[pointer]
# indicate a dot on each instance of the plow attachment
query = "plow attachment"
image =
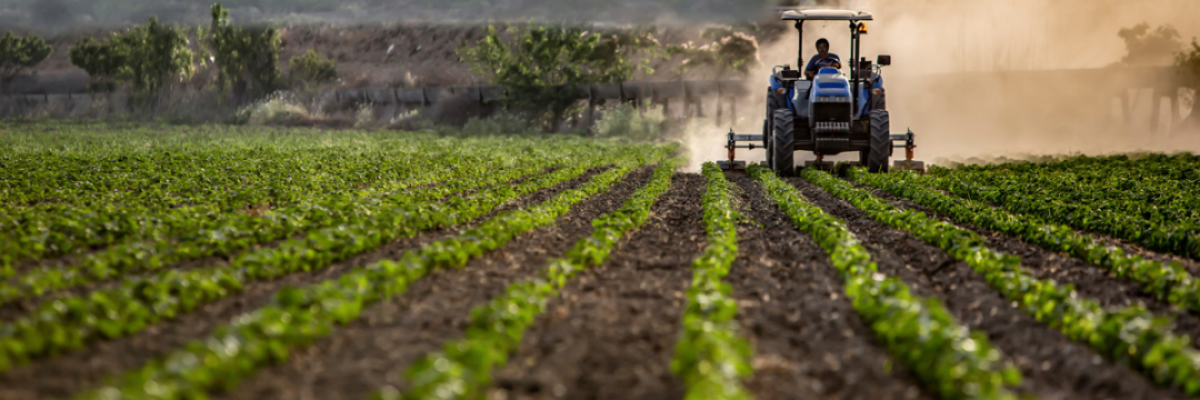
(734, 141)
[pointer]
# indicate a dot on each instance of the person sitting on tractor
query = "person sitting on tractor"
(823, 59)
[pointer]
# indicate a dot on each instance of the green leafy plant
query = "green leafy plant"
(919, 332)
(463, 368)
(710, 357)
(541, 67)
(298, 316)
(73, 321)
(312, 68)
(1127, 335)
(1125, 202)
(1168, 282)
(18, 53)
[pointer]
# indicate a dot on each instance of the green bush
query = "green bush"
(541, 67)
(625, 121)
(247, 58)
(275, 109)
(498, 124)
(312, 68)
(18, 53)
(145, 55)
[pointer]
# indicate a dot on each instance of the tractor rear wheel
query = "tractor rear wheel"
(881, 142)
(783, 142)
(774, 102)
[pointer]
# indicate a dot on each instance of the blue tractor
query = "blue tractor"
(829, 113)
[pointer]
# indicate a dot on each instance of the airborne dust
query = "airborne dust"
(971, 78)
(949, 80)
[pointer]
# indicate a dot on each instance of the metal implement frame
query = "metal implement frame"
(906, 141)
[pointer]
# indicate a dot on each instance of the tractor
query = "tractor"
(830, 113)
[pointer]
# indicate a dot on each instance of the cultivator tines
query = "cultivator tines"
(732, 139)
(908, 143)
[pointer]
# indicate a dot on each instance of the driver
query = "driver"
(823, 59)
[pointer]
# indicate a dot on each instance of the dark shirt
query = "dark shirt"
(816, 62)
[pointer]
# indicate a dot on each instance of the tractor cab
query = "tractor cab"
(837, 111)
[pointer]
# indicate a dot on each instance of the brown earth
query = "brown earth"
(793, 308)
(610, 334)
(1053, 365)
(376, 349)
(1090, 281)
(85, 369)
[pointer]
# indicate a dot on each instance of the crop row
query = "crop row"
(240, 231)
(1168, 282)
(1133, 192)
(941, 352)
(1181, 166)
(298, 316)
(463, 368)
(70, 322)
(1128, 335)
(1179, 237)
(84, 166)
(710, 357)
(42, 233)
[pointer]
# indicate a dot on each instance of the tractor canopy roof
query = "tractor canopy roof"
(826, 15)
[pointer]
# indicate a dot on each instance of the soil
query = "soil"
(610, 334)
(792, 307)
(1090, 281)
(1054, 367)
(15, 309)
(59, 376)
(376, 349)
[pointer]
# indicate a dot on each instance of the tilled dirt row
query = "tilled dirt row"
(1054, 367)
(809, 341)
(611, 332)
(84, 369)
(1090, 281)
(376, 349)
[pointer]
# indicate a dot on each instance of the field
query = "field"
(169, 262)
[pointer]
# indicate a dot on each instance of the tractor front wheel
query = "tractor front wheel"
(783, 143)
(881, 142)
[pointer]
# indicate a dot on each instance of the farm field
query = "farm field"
(170, 262)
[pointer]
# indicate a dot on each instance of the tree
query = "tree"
(1147, 47)
(731, 51)
(145, 55)
(1187, 63)
(102, 61)
(18, 53)
(312, 68)
(247, 58)
(541, 67)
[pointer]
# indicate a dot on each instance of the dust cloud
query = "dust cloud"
(990, 78)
